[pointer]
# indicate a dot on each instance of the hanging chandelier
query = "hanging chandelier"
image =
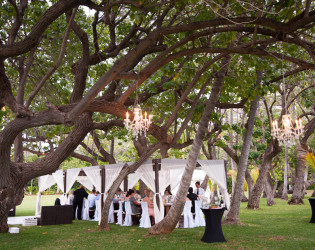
(288, 133)
(139, 125)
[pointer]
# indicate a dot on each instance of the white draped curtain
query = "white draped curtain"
(133, 179)
(72, 175)
(44, 182)
(94, 176)
(216, 171)
(58, 175)
(148, 177)
(111, 173)
(84, 180)
(176, 170)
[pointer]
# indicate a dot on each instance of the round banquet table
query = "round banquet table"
(312, 202)
(213, 230)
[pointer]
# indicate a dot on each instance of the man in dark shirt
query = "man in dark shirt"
(79, 195)
(191, 196)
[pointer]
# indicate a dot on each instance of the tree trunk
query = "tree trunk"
(4, 223)
(269, 191)
(285, 177)
(232, 216)
(10, 196)
(279, 193)
(244, 198)
(271, 151)
(297, 196)
(250, 185)
(204, 183)
(305, 186)
(168, 224)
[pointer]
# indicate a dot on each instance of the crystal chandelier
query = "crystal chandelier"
(288, 132)
(139, 125)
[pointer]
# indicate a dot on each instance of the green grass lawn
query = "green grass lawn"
(29, 203)
(278, 227)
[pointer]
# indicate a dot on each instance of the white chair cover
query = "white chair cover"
(85, 210)
(188, 217)
(63, 199)
(120, 214)
(128, 220)
(145, 218)
(199, 217)
(97, 214)
(111, 214)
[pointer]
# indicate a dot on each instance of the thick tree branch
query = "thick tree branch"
(84, 158)
(39, 28)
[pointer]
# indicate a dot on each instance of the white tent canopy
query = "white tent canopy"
(170, 174)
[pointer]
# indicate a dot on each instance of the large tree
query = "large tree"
(59, 66)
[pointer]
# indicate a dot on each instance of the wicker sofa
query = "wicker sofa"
(53, 215)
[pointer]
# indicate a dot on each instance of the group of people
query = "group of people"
(195, 194)
(135, 199)
(76, 199)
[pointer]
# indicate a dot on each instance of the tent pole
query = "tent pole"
(156, 168)
(103, 185)
(65, 181)
(225, 168)
(126, 184)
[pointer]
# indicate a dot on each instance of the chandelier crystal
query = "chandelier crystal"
(288, 133)
(139, 125)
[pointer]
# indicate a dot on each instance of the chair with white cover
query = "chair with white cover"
(97, 214)
(111, 214)
(85, 210)
(188, 217)
(120, 214)
(145, 218)
(128, 219)
(199, 217)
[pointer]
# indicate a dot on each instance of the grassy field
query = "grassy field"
(278, 227)
(29, 203)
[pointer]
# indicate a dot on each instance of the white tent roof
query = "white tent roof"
(170, 174)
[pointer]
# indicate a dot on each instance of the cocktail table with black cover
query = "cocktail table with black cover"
(213, 230)
(312, 202)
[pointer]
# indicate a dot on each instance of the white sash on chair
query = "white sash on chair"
(199, 217)
(128, 219)
(145, 218)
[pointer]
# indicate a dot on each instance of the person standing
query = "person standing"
(199, 191)
(193, 197)
(79, 195)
